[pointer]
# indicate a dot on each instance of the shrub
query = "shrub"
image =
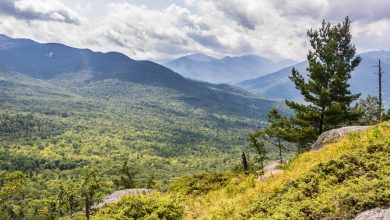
(200, 183)
(153, 206)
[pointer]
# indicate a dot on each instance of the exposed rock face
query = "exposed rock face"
(116, 196)
(270, 170)
(330, 136)
(268, 174)
(273, 165)
(374, 214)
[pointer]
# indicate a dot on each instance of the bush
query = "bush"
(200, 183)
(339, 188)
(153, 206)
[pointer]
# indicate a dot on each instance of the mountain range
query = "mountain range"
(109, 107)
(277, 85)
(225, 70)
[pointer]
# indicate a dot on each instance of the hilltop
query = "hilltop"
(339, 180)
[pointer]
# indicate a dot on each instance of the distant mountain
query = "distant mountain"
(87, 108)
(198, 57)
(277, 85)
(226, 70)
(51, 61)
(46, 61)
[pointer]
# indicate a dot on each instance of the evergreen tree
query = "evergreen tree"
(244, 162)
(259, 147)
(326, 91)
(126, 178)
(89, 188)
(151, 182)
(68, 199)
(277, 131)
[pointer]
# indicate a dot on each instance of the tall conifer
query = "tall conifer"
(326, 90)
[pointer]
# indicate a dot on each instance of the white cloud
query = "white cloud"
(272, 28)
(52, 10)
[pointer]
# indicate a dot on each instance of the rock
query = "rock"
(268, 174)
(270, 170)
(273, 165)
(374, 214)
(330, 136)
(116, 196)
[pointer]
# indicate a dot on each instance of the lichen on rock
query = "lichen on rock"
(330, 136)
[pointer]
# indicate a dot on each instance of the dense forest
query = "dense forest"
(52, 131)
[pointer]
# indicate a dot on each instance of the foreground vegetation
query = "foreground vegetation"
(337, 182)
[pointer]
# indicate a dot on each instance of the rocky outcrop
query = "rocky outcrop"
(270, 170)
(325, 138)
(374, 214)
(116, 196)
(330, 136)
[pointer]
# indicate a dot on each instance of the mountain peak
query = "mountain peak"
(4, 37)
(199, 57)
(229, 69)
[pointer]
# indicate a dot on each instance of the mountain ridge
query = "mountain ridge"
(229, 69)
(278, 86)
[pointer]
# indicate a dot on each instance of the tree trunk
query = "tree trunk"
(87, 208)
(321, 127)
(280, 151)
(244, 162)
(380, 91)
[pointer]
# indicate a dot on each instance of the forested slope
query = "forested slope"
(57, 123)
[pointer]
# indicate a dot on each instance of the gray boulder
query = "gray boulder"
(330, 136)
(374, 214)
(116, 196)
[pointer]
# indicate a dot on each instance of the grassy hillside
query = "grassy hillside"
(336, 182)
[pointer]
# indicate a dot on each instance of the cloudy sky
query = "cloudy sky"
(164, 29)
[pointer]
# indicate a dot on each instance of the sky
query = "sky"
(166, 29)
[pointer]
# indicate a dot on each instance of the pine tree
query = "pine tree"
(259, 147)
(89, 189)
(151, 182)
(244, 162)
(326, 91)
(277, 131)
(126, 178)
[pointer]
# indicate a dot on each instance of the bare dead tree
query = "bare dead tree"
(380, 103)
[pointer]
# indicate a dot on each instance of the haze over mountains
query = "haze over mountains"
(277, 85)
(52, 61)
(225, 70)
(111, 108)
